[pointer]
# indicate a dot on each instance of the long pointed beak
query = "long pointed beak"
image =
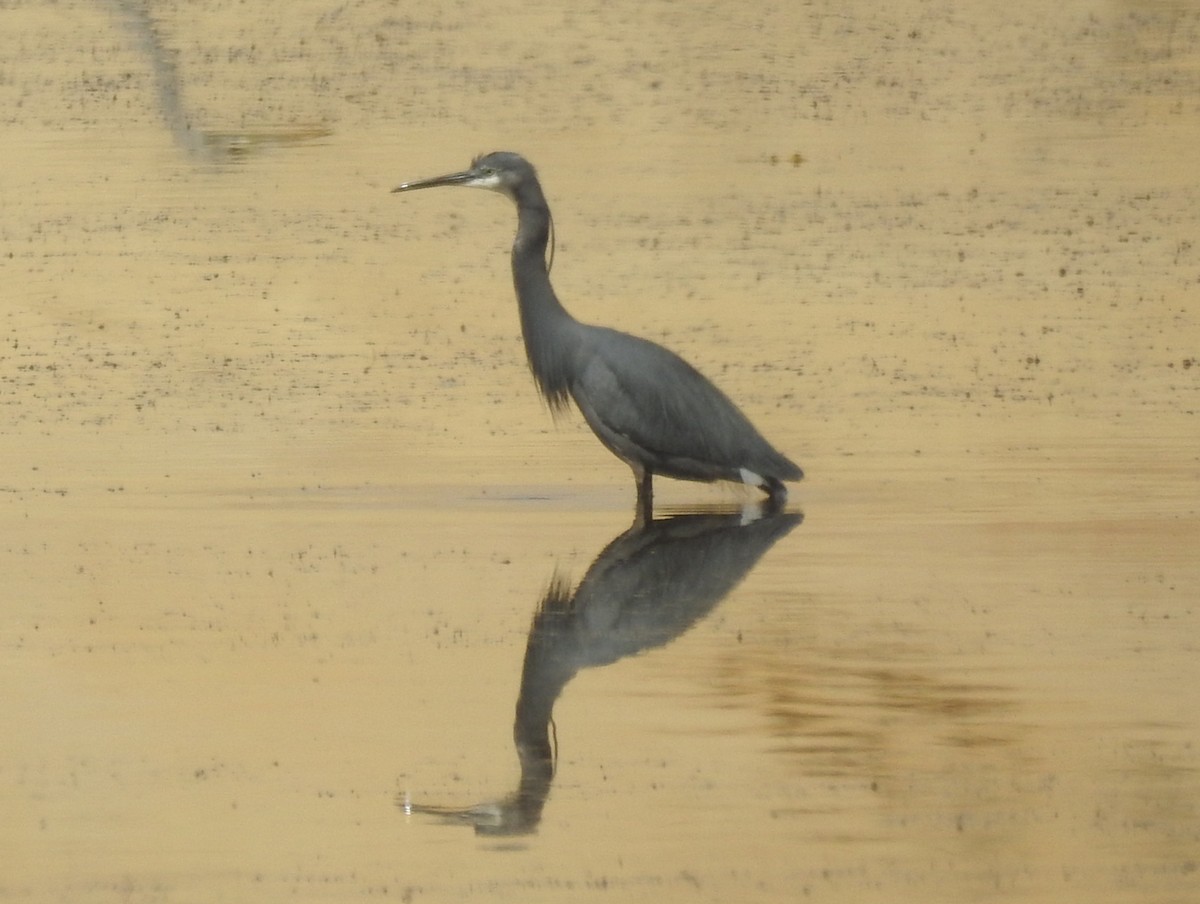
(463, 178)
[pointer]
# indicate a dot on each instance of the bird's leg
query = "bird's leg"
(645, 494)
(776, 492)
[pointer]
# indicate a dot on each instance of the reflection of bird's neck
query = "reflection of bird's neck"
(548, 329)
(544, 675)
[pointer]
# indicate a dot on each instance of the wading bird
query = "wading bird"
(652, 409)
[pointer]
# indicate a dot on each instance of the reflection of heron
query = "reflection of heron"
(201, 144)
(648, 586)
(651, 408)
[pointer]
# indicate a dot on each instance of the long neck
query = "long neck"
(549, 331)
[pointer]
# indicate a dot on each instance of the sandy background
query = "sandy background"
(279, 501)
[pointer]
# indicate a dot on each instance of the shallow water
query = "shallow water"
(291, 545)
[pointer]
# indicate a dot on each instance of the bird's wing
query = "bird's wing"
(644, 393)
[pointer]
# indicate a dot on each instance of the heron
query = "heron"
(648, 406)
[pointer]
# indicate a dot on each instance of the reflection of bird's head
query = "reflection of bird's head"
(514, 815)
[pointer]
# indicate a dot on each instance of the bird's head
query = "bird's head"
(499, 171)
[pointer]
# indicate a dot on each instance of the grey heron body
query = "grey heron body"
(651, 408)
